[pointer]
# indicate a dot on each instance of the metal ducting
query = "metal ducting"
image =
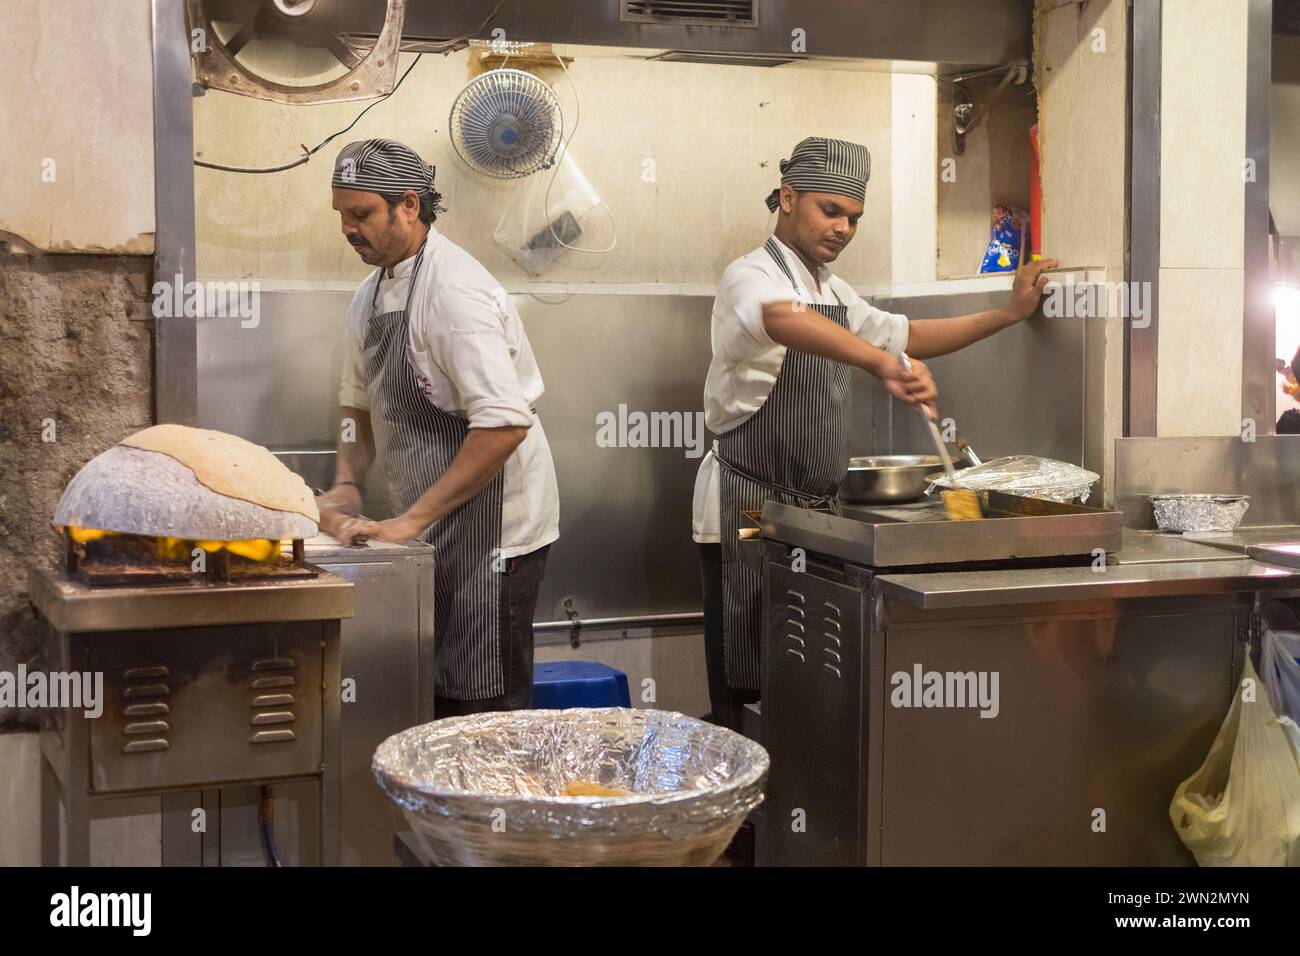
(918, 35)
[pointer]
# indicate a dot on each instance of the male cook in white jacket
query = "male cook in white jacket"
(440, 380)
(785, 333)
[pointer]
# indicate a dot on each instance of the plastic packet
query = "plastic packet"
(1006, 240)
(537, 228)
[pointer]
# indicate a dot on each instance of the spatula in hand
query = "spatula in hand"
(959, 504)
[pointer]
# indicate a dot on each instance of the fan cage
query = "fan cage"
(507, 124)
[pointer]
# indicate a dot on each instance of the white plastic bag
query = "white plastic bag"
(553, 211)
(1242, 807)
(1277, 660)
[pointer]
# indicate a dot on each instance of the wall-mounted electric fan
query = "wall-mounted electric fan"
(507, 124)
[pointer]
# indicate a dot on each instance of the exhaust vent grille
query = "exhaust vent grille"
(723, 13)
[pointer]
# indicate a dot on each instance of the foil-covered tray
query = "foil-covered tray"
(488, 789)
(1028, 475)
(1199, 513)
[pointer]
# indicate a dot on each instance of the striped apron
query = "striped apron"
(416, 442)
(792, 450)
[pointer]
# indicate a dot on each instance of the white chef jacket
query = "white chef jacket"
(746, 361)
(472, 358)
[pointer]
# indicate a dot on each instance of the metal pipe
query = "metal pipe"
(175, 354)
(1142, 201)
(636, 620)
(1258, 335)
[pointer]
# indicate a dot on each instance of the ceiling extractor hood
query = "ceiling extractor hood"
(945, 36)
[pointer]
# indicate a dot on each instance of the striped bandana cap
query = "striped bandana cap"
(821, 165)
(384, 166)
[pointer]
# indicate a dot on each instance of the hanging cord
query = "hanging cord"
(444, 48)
(309, 153)
(546, 201)
(266, 821)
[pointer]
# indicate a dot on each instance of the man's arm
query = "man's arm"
(479, 460)
(809, 331)
(927, 338)
(350, 465)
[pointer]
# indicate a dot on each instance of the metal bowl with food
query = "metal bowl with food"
(880, 479)
(1199, 512)
(579, 787)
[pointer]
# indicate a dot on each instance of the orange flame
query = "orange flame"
(256, 549)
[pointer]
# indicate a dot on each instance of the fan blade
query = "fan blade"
(342, 52)
(240, 39)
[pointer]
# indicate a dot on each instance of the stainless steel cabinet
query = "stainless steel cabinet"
(387, 656)
(1103, 706)
(812, 697)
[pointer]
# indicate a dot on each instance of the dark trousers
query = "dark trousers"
(520, 583)
(728, 703)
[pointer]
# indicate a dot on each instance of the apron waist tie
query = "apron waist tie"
(816, 502)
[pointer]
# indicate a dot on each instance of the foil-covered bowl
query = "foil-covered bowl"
(487, 789)
(1199, 513)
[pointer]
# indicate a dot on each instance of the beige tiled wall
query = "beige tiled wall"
(913, 144)
(714, 133)
(1202, 216)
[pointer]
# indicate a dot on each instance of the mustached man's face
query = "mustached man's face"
(821, 224)
(380, 236)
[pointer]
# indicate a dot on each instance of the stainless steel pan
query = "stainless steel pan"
(881, 479)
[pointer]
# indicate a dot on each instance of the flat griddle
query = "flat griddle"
(1017, 530)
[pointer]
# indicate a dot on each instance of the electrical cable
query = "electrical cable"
(317, 148)
(447, 47)
(546, 200)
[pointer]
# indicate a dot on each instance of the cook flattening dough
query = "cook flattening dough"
(231, 466)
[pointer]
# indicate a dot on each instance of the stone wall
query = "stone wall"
(76, 375)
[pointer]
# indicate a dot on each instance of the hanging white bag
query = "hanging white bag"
(1277, 660)
(1242, 807)
(553, 213)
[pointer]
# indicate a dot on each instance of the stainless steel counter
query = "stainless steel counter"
(1148, 565)
(1041, 585)
(1243, 539)
(1156, 547)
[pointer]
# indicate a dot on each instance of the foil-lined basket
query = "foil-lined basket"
(486, 789)
(1025, 475)
(1199, 513)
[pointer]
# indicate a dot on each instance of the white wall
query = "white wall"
(76, 124)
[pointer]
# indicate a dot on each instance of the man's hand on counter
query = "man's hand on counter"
(397, 530)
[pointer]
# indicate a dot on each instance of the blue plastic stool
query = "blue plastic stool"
(564, 684)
